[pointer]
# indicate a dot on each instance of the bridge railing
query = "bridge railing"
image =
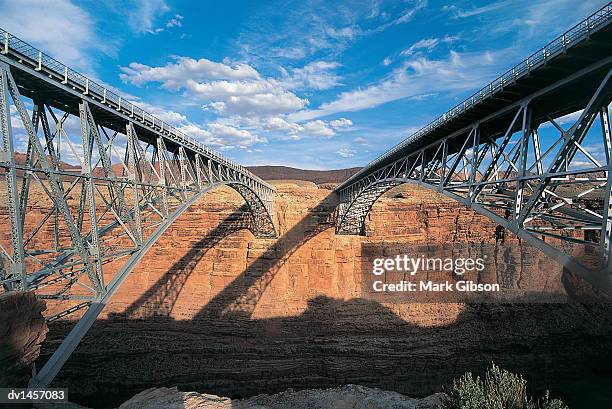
(574, 35)
(38, 60)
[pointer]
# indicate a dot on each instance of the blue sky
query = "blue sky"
(310, 84)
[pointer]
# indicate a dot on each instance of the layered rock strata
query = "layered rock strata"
(213, 309)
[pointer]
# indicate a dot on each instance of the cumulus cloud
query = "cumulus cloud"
(221, 136)
(225, 134)
(44, 24)
(318, 128)
(174, 75)
(341, 123)
(266, 103)
(232, 90)
(250, 107)
(279, 127)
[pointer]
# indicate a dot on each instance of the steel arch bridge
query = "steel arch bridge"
(509, 153)
(74, 232)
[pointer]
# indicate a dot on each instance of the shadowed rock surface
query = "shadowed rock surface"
(215, 310)
(22, 331)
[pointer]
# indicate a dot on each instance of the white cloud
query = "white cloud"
(341, 123)
(527, 18)
(415, 78)
(262, 104)
(168, 116)
(406, 15)
(232, 90)
(175, 75)
(427, 44)
(278, 127)
(222, 89)
(346, 152)
(176, 21)
(318, 28)
(45, 24)
(195, 131)
(459, 13)
(279, 124)
(387, 61)
(318, 128)
(344, 32)
(316, 75)
(221, 136)
(142, 14)
(232, 135)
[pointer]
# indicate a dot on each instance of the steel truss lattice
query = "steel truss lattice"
(88, 187)
(550, 190)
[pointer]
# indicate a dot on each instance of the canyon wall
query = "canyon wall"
(213, 309)
(22, 331)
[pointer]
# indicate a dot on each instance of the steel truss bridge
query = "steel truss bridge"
(135, 176)
(74, 232)
(531, 151)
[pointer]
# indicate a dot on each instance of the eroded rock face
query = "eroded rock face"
(213, 309)
(349, 396)
(22, 331)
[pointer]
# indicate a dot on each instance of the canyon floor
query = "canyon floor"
(213, 309)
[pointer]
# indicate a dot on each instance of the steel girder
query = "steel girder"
(548, 190)
(89, 185)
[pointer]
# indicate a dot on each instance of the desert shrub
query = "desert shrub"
(499, 389)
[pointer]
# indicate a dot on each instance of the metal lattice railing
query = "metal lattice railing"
(574, 35)
(34, 58)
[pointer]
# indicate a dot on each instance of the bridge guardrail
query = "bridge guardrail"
(39, 60)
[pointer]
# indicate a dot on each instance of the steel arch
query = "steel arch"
(489, 154)
(90, 182)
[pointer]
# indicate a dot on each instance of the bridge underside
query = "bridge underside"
(543, 176)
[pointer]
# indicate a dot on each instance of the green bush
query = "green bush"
(500, 389)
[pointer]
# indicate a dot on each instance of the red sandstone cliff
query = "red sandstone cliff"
(211, 308)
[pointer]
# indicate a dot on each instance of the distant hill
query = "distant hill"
(315, 176)
(265, 172)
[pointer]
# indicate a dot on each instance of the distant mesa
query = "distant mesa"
(318, 177)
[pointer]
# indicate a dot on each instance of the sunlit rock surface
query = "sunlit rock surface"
(349, 396)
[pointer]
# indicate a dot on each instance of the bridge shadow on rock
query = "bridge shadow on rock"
(240, 297)
(223, 350)
(564, 348)
(160, 298)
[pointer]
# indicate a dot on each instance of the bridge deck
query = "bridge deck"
(44, 78)
(587, 42)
